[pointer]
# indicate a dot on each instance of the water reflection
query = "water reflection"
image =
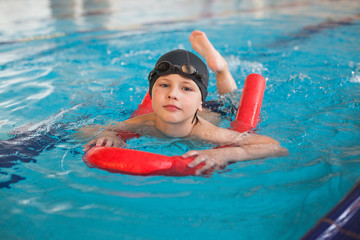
(24, 21)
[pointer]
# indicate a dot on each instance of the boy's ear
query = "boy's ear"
(200, 108)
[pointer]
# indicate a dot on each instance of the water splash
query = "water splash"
(355, 77)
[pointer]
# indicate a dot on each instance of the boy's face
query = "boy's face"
(175, 98)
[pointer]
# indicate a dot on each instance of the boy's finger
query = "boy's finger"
(196, 162)
(208, 165)
(109, 143)
(119, 143)
(100, 142)
(88, 145)
(190, 153)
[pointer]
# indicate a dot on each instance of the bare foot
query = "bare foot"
(225, 83)
(203, 46)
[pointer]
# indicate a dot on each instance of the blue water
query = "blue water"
(66, 64)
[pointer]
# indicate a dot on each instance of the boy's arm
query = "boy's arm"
(219, 157)
(208, 132)
(111, 135)
(102, 135)
(234, 147)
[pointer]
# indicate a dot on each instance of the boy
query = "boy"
(178, 88)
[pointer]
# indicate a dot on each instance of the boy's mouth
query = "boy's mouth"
(171, 107)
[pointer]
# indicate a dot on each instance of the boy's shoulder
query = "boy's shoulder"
(145, 119)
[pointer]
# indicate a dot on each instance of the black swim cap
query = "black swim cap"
(180, 57)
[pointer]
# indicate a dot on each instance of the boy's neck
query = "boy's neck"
(183, 129)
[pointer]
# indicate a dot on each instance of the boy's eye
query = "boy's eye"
(164, 85)
(187, 89)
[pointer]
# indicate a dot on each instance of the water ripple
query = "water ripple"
(10, 78)
(48, 89)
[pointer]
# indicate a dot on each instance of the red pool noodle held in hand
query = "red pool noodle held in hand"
(134, 162)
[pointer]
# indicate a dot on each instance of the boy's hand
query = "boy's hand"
(107, 141)
(211, 157)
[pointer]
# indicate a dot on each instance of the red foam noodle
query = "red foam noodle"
(144, 107)
(248, 113)
(137, 162)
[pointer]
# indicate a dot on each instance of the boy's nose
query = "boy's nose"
(173, 93)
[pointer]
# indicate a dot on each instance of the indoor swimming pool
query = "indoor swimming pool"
(68, 64)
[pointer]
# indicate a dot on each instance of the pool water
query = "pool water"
(66, 64)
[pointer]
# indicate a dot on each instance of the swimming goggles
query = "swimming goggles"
(165, 68)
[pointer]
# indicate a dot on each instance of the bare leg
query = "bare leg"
(224, 81)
